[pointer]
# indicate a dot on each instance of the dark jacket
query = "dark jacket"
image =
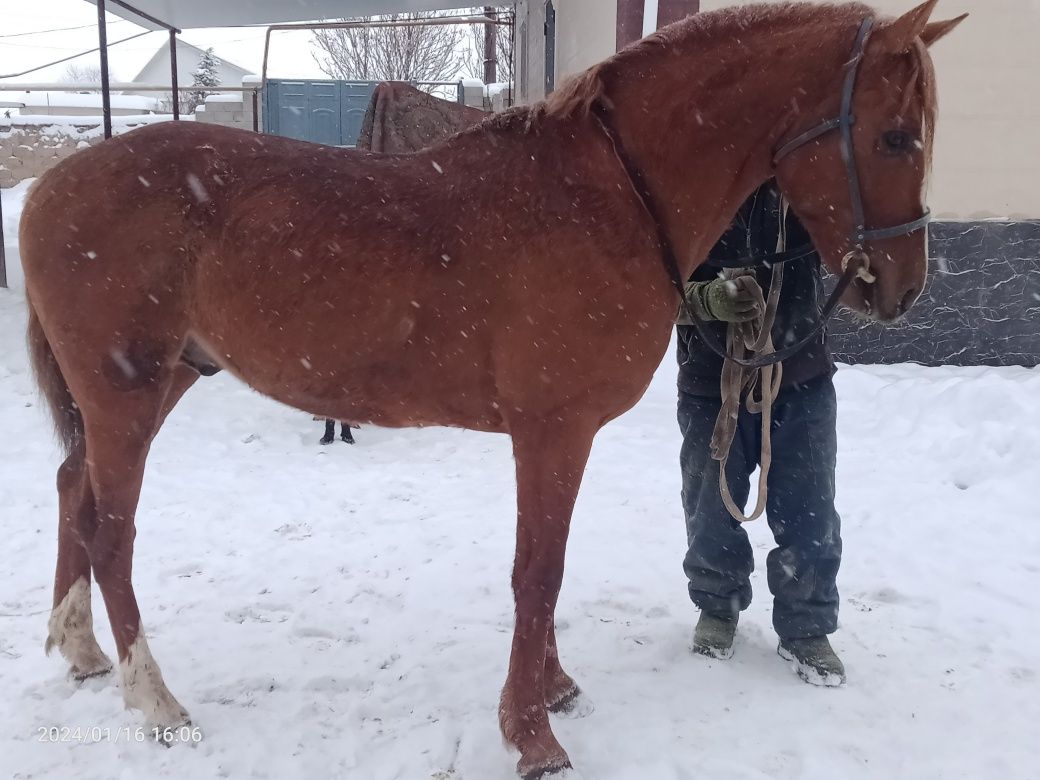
(755, 231)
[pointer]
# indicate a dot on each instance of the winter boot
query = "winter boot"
(814, 660)
(713, 636)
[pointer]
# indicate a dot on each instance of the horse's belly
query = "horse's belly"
(387, 376)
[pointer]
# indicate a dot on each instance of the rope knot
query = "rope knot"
(862, 259)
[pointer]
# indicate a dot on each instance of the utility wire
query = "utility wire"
(56, 29)
(74, 56)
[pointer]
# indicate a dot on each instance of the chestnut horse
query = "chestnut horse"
(509, 279)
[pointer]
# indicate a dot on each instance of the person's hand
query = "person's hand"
(732, 300)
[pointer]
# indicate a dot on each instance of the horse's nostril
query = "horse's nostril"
(908, 300)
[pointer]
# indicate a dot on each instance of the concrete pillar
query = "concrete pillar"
(472, 92)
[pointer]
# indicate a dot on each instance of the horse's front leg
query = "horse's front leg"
(562, 694)
(550, 459)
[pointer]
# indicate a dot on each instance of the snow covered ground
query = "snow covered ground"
(345, 612)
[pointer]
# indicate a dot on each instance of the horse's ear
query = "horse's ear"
(933, 31)
(898, 36)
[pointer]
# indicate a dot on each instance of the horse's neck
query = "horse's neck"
(703, 127)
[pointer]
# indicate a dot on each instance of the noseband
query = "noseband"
(855, 263)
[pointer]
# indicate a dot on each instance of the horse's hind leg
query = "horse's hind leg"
(550, 459)
(71, 625)
(119, 429)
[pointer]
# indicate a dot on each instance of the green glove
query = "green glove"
(726, 300)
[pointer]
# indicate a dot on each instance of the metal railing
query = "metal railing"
(354, 25)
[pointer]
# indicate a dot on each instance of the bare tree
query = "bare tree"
(84, 74)
(475, 56)
(424, 53)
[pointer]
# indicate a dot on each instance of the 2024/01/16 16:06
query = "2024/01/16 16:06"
(121, 734)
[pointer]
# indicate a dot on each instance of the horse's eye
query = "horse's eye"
(897, 142)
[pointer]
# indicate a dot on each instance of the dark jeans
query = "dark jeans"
(804, 566)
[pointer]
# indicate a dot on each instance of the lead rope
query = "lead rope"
(753, 338)
(856, 263)
(739, 383)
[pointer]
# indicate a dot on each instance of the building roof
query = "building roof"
(186, 14)
(187, 54)
(37, 98)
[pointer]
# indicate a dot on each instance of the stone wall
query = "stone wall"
(981, 305)
(30, 145)
(28, 151)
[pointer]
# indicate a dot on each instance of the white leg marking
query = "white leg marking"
(71, 629)
(144, 689)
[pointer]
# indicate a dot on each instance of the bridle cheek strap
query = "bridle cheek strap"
(844, 123)
(856, 264)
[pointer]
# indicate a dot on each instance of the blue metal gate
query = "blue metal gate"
(323, 112)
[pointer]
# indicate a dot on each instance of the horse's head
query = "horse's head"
(871, 199)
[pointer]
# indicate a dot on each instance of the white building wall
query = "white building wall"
(585, 34)
(987, 154)
(987, 157)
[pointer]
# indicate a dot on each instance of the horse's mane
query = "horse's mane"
(578, 95)
(923, 86)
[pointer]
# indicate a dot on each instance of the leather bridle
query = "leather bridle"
(844, 123)
(855, 264)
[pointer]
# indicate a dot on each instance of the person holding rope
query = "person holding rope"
(802, 569)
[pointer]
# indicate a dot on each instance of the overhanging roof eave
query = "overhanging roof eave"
(187, 14)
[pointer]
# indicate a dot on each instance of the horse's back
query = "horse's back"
(388, 274)
(256, 246)
(178, 181)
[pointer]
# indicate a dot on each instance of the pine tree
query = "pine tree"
(205, 75)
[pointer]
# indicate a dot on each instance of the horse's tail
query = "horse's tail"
(68, 421)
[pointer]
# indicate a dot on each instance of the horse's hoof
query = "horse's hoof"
(558, 767)
(91, 674)
(90, 661)
(326, 441)
(573, 704)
